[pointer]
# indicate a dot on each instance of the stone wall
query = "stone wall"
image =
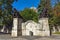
(38, 29)
(30, 28)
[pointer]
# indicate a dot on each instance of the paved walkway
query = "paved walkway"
(8, 37)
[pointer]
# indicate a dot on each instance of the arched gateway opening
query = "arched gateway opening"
(31, 33)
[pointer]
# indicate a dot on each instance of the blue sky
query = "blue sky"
(21, 4)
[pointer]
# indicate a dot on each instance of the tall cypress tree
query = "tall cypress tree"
(1, 2)
(44, 7)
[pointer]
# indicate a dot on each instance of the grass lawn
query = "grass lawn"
(56, 33)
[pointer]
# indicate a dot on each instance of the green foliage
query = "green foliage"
(52, 20)
(45, 4)
(56, 14)
(57, 21)
(41, 6)
(29, 14)
(1, 2)
(6, 12)
(1, 21)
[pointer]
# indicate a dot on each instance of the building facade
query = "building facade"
(31, 28)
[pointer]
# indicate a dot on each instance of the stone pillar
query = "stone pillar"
(46, 30)
(44, 26)
(14, 29)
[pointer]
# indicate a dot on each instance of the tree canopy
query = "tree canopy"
(6, 11)
(29, 14)
(56, 11)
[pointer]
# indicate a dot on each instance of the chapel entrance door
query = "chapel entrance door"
(31, 33)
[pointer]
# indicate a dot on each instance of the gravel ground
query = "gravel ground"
(8, 37)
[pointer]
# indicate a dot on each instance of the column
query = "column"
(14, 29)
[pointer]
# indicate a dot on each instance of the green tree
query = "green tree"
(44, 7)
(6, 13)
(56, 11)
(47, 5)
(29, 14)
(1, 15)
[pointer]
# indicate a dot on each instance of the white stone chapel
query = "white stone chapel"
(30, 28)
